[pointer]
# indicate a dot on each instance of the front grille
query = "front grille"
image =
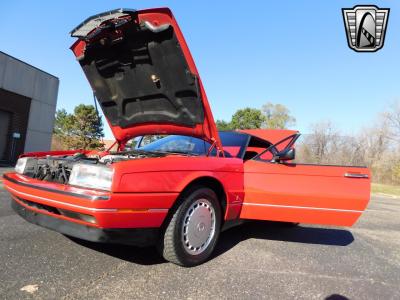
(59, 211)
(40, 206)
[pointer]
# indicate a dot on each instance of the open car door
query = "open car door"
(280, 190)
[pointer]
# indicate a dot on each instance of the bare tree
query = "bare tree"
(326, 145)
(322, 142)
(277, 116)
(381, 145)
(391, 118)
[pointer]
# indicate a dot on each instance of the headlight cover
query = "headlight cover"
(26, 166)
(20, 166)
(91, 176)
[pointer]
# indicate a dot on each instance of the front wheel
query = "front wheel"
(193, 230)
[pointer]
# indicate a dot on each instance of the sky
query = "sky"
(248, 53)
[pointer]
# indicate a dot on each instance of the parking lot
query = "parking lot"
(256, 260)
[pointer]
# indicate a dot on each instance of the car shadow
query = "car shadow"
(263, 230)
(279, 231)
(336, 297)
(137, 255)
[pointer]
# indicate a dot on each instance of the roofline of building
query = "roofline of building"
(36, 68)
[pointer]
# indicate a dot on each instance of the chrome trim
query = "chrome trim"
(62, 203)
(355, 175)
(303, 207)
(157, 210)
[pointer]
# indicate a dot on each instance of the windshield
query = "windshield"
(233, 143)
(177, 144)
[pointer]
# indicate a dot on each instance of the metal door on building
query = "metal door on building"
(5, 119)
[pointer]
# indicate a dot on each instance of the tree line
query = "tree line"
(272, 116)
(376, 146)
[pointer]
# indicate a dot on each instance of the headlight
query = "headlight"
(21, 164)
(91, 176)
(26, 165)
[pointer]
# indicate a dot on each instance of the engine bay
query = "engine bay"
(58, 168)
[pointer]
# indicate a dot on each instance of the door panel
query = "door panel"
(332, 195)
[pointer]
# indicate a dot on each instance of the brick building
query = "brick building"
(28, 98)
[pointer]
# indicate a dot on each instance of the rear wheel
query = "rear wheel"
(193, 230)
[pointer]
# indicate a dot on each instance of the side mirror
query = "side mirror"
(287, 154)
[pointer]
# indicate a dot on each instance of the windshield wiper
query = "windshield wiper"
(136, 151)
(154, 152)
(177, 152)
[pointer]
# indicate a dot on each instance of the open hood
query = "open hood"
(143, 75)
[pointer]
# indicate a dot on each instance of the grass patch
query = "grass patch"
(379, 188)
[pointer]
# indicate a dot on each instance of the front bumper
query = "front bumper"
(127, 218)
(129, 236)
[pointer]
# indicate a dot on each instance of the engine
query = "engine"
(54, 168)
(58, 168)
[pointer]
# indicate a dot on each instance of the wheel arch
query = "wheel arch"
(215, 185)
(202, 181)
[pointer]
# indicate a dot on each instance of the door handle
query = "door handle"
(356, 175)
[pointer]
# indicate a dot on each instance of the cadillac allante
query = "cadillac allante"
(181, 190)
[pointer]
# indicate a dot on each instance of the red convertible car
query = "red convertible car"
(179, 191)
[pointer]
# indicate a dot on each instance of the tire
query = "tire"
(192, 232)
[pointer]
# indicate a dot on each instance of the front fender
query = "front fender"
(174, 174)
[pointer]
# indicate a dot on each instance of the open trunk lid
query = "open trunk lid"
(143, 75)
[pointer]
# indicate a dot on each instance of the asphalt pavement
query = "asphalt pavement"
(255, 260)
